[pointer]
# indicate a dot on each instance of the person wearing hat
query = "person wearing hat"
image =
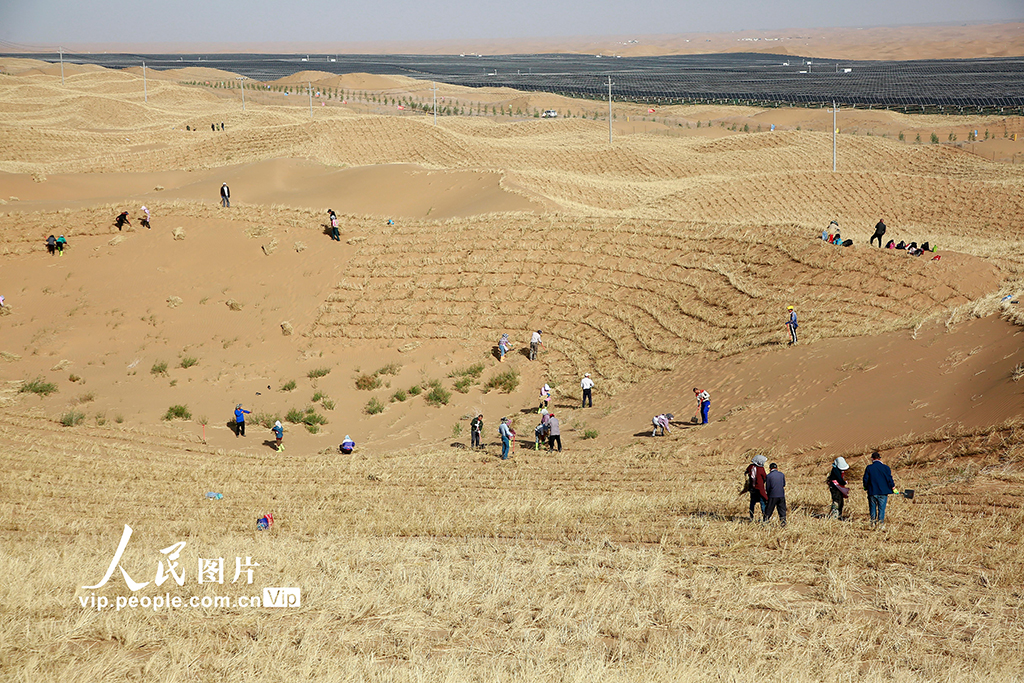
(756, 476)
(61, 243)
(775, 487)
(225, 196)
(535, 343)
(703, 404)
(278, 435)
(554, 433)
(879, 486)
(506, 434)
(587, 385)
(879, 232)
(837, 485)
(240, 414)
(347, 446)
(791, 324)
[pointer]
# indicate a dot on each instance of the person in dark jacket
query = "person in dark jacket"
(837, 478)
(755, 482)
(879, 232)
(225, 196)
(775, 487)
(122, 220)
(879, 486)
(476, 428)
(51, 244)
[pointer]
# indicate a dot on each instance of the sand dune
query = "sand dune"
(659, 263)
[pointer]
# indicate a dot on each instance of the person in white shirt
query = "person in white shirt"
(703, 404)
(587, 385)
(535, 343)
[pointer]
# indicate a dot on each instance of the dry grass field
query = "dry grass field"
(662, 262)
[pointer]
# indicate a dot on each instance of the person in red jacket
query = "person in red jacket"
(755, 483)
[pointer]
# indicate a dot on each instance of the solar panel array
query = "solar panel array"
(947, 85)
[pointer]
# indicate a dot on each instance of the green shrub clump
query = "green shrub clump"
(38, 386)
(178, 413)
(506, 381)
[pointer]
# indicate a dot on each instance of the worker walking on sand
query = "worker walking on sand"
(791, 325)
(122, 220)
(278, 435)
(535, 343)
(240, 414)
(879, 232)
(335, 233)
(545, 397)
(587, 385)
(61, 243)
(775, 487)
(144, 220)
(225, 196)
(703, 404)
(879, 486)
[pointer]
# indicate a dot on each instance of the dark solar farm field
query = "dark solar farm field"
(986, 85)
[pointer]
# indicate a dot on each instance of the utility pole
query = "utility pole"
(609, 110)
(241, 81)
(834, 131)
(61, 66)
(309, 86)
(145, 90)
(433, 86)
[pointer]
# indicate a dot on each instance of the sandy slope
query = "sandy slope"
(660, 262)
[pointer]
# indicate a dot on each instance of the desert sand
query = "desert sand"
(661, 262)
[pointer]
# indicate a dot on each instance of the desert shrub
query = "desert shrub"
(438, 396)
(368, 382)
(589, 434)
(288, 386)
(72, 418)
(38, 386)
(328, 404)
(463, 384)
(374, 406)
(308, 417)
(86, 398)
(434, 384)
(415, 390)
(398, 395)
(74, 378)
(263, 419)
(456, 430)
(189, 361)
(316, 373)
(506, 381)
(935, 139)
(318, 396)
(119, 418)
(389, 369)
(159, 368)
(473, 371)
(178, 413)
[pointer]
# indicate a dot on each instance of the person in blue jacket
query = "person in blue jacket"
(879, 486)
(240, 414)
(278, 435)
